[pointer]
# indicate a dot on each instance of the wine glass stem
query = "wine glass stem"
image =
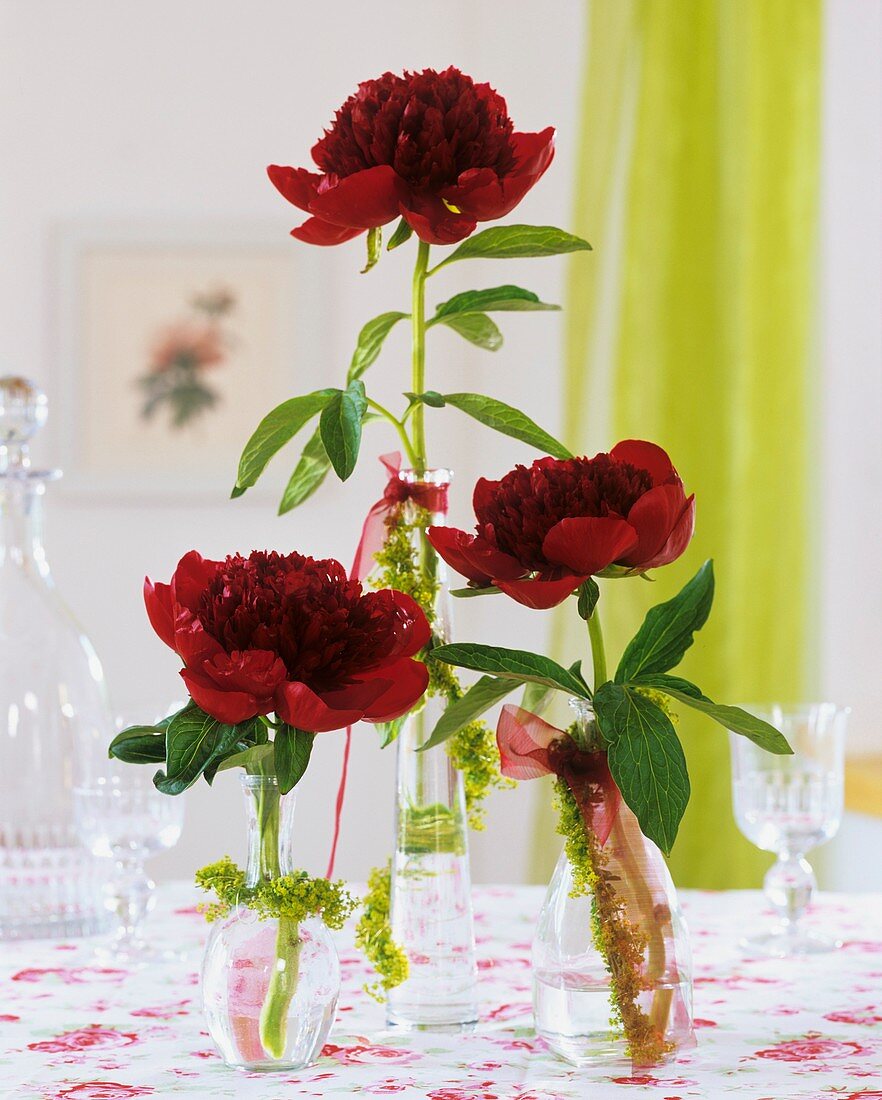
(788, 887)
(132, 895)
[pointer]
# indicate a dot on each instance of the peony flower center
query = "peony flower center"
(429, 126)
(325, 629)
(528, 502)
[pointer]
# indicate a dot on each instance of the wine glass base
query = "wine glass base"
(783, 943)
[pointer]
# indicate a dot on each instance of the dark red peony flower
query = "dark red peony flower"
(290, 634)
(545, 529)
(435, 148)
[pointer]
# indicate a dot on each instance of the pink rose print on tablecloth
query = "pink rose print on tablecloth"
(80, 975)
(102, 1090)
(647, 1079)
(163, 1012)
(483, 1091)
(390, 1086)
(85, 1038)
(865, 1017)
(370, 1055)
(813, 1048)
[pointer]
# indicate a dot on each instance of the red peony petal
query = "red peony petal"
(226, 706)
(483, 495)
(654, 517)
(316, 231)
(297, 185)
(678, 539)
(414, 631)
(541, 594)
(587, 544)
(433, 223)
(191, 577)
(363, 200)
(487, 200)
(409, 680)
(192, 643)
(299, 706)
(645, 456)
(451, 543)
(523, 739)
(160, 610)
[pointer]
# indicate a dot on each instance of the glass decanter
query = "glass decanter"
(431, 912)
(627, 934)
(53, 705)
(269, 985)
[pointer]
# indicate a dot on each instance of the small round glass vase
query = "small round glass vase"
(269, 985)
(612, 967)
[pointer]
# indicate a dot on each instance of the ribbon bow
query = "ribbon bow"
(373, 534)
(530, 747)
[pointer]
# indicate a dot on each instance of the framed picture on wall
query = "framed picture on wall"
(174, 341)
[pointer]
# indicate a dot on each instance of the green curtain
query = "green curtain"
(693, 324)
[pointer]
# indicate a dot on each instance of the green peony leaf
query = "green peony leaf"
(511, 242)
(515, 664)
(139, 745)
(480, 697)
(340, 427)
(668, 629)
(589, 594)
(507, 420)
(499, 299)
(370, 341)
(645, 758)
(256, 759)
(467, 593)
(293, 748)
(402, 233)
(274, 431)
(309, 473)
(477, 328)
(732, 718)
(193, 740)
(374, 248)
(427, 397)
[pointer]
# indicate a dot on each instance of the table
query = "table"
(74, 1029)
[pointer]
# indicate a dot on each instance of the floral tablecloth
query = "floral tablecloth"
(72, 1028)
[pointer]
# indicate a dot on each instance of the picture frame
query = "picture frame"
(173, 340)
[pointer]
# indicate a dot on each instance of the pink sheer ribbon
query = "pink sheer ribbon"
(431, 497)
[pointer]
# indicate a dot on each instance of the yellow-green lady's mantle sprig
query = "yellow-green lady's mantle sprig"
(373, 935)
(472, 749)
(294, 896)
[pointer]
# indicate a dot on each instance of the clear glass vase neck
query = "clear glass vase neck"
(270, 816)
(21, 523)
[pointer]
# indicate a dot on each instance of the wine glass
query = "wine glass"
(120, 815)
(789, 805)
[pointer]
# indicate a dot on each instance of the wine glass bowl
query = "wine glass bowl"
(789, 805)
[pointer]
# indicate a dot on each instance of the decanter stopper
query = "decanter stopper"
(23, 411)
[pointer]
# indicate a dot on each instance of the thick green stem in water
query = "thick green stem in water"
(283, 980)
(598, 653)
(418, 352)
(281, 990)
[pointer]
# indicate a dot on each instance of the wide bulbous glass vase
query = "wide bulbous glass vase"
(269, 985)
(612, 965)
(431, 904)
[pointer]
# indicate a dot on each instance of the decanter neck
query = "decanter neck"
(21, 522)
(270, 829)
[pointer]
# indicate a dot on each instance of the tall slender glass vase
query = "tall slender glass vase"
(612, 966)
(269, 985)
(431, 885)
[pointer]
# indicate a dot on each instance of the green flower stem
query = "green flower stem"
(598, 653)
(281, 989)
(283, 980)
(399, 427)
(418, 352)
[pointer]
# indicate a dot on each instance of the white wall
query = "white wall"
(171, 110)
